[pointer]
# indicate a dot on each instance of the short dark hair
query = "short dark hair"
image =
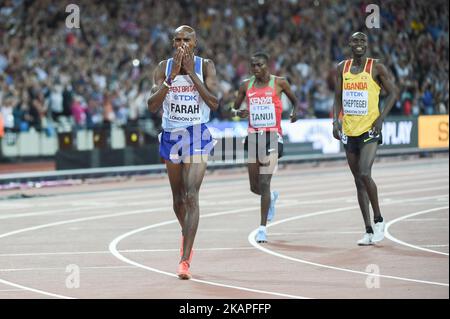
(359, 33)
(261, 55)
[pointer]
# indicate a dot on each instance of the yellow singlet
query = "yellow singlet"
(360, 98)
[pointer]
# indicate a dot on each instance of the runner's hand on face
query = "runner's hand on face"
(188, 60)
(177, 61)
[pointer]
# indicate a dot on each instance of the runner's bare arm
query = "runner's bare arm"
(211, 86)
(240, 98)
(241, 95)
(286, 88)
(159, 90)
(387, 83)
(337, 105)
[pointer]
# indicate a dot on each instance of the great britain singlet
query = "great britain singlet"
(183, 105)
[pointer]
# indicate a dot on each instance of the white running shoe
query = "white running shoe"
(366, 240)
(261, 236)
(378, 232)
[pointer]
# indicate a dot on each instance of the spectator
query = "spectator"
(323, 100)
(119, 44)
(427, 100)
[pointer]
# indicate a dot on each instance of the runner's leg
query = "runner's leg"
(193, 174)
(353, 160)
(367, 157)
(176, 184)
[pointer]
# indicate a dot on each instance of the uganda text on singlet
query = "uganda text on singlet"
(360, 99)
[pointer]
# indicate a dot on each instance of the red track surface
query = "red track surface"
(123, 237)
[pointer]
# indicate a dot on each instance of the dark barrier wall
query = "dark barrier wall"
(68, 159)
(400, 132)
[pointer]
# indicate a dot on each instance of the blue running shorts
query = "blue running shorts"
(176, 145)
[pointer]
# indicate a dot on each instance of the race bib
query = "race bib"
(355, 102)
(344, 138)
(183, 111)
(262, 115)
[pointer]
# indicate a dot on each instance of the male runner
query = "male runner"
(359, 81)
(264, 141)
(185, 86)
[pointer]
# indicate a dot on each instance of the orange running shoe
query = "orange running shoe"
(181, 251)
(183, 270)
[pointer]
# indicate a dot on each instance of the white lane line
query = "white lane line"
(57, 224)
(99, 252)
(56, 211)
(106, 198)
(251, 239)
(318, 184)
(401, 242)
(288, 198)
(315, 233)
(113, 249)
(62, 268)
(290, 203)
(118, 215)
(312, 185)
(82, 219)
(425, 219)
(353, 198)
(116, 253)
(236, 200)
(434, 246)
(9, 283)
(177, 249)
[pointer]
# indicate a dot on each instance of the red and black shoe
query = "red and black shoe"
(183, 270)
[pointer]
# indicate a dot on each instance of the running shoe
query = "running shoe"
(378, 232)
(366, 240)
(183, 270)
(261, 237)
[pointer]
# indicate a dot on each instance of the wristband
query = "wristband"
(166, 85)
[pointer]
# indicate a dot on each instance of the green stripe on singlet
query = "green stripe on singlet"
(272, 81)
(250, 83)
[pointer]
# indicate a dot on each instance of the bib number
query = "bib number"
(262, 115)
(355, 102)
(184, 112)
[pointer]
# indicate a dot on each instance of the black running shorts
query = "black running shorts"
(353, 144)
(262, 143)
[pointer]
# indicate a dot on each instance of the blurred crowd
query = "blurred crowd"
(101, 74)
